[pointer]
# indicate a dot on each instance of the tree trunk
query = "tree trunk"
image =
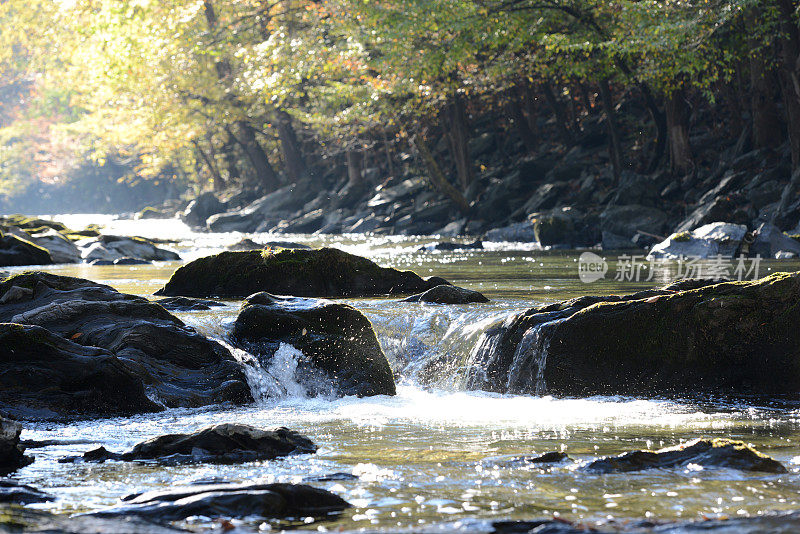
(558, 110)
(767, 128)
(680, 152)
(789, 75)
(229, 158)
(216, 178)
(436, 176)
(521, 124)
(458, 137)
(354, 171)
(290, 148)
(265, 174)
(614, 145)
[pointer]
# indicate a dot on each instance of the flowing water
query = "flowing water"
(436, 453)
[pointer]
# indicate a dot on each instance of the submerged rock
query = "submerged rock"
(325, 272)
(447, 246)
(704, 452)
(218, 444)
(551, 457)
(334, 338)
(447, 294)
(16, 251)
(12, 491)
(733, 338)
(229, 501)
(44, 376)
(178, 366)
(714, 239)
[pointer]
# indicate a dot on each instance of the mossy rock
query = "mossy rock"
(15, 251)
(732, 338)
(334, 338)
(24, 222)
(325, 272)
(682, 237)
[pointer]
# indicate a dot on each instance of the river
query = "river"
(436, 453)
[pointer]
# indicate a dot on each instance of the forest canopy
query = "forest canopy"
(222, 92)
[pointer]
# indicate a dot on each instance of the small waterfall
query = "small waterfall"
(283, 376)
(526, 373)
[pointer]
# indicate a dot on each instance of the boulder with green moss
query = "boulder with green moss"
(734, 338)
(334, 339)
(178, 366)
(15, 251)
(325, 272)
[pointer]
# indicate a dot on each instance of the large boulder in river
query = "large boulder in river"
(12, 454)
(703, 452)
(733, 338)
(229, 501)
(333, 338)
(711, 240)
(17, 251)
(44, 376)
(324, 272)
(178, 366)
(113, 248)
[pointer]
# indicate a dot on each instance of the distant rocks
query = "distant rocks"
(325, 272)
(249, 244)
(522, 231)
(229, 501)
(17, 251)
(448, 294)
(333, 338)
(218, 444)
(714, 239)
(114, 248)
(702, 452)
(449, 246)
(183, 304)
(201, 208)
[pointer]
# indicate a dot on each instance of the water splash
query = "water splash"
(529, 356)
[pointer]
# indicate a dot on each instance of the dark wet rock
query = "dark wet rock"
(704, 452)
(447, 294)
(187, 304)
(447, 245)
(275, 206)
(17, 251)
(770, 241)
(558, 227)
(44, 376)
(330, 477)
(734, 338)
(627, 220)
(200, 209)
(24, 519)
(325, 272)
(541, 526)
(101, 263)
(714, 239)
(131, 261)
(12, 453)
(229, 501)
(12, 491)
(334, 338)
(523, 231)
(178, 366)
(551, 457)
(612, 241)
(218, 444)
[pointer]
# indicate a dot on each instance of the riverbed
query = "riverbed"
(435, 453)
